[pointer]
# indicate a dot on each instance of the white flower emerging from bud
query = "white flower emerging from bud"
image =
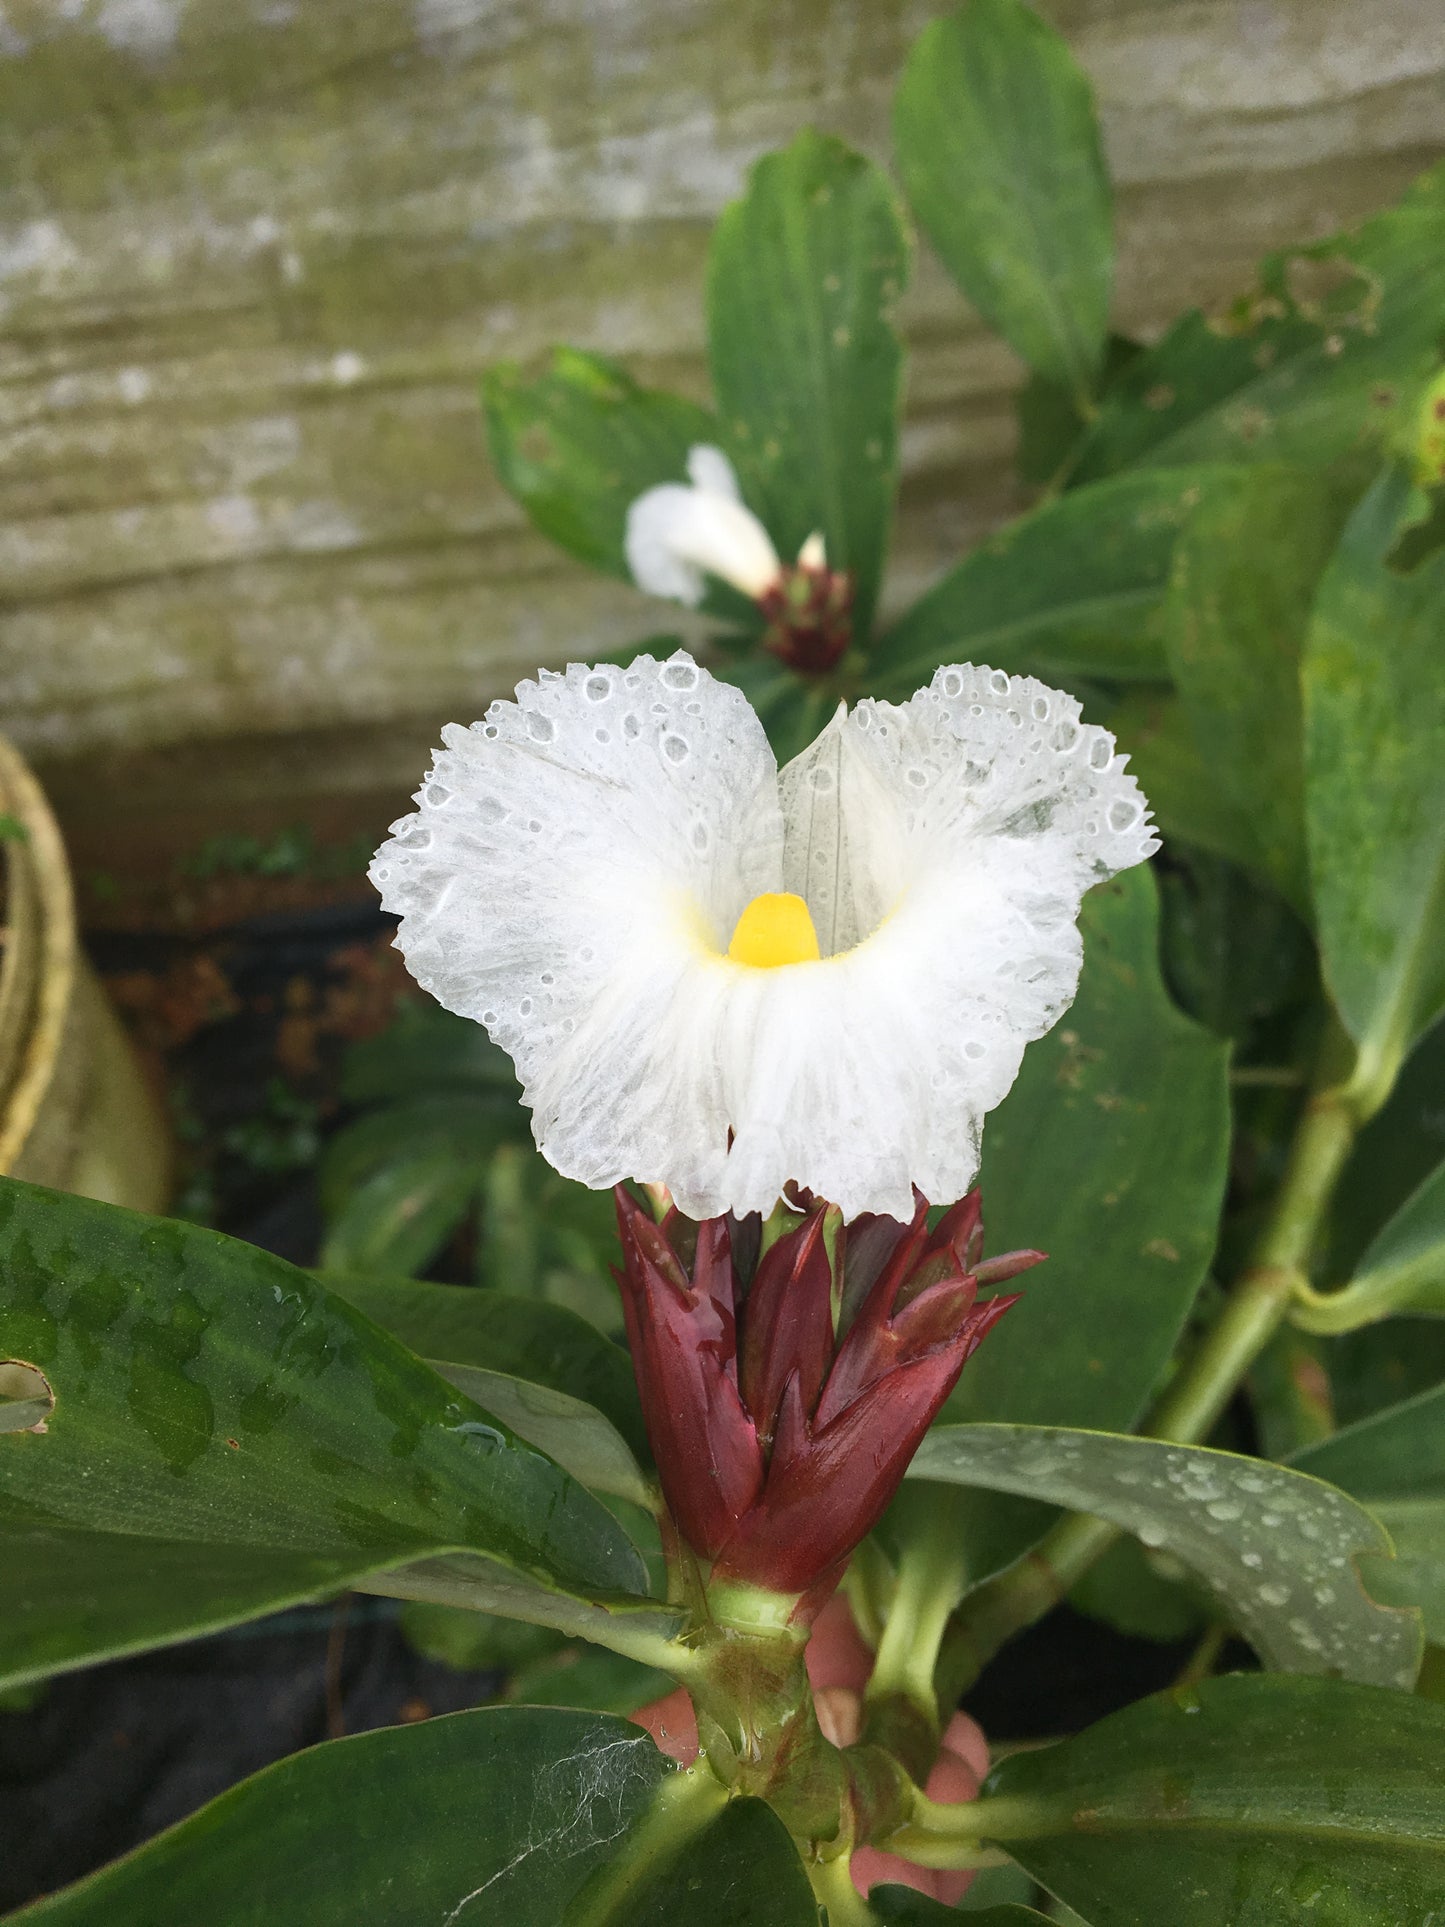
(676, 536)
(719, 977)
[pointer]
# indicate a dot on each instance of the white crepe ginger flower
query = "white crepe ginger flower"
(677, 535)
(721, 977)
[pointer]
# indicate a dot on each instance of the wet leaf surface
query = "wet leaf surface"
(1280, 1552)
(1395, 1464)
(1258, 1800)
(212, 1396)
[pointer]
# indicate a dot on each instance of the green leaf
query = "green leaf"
(1395, 1464)
(998, 145)
(1234, 952)
(425, 1049)
(579, 444)
(213, 1400)
(741, 1870)
(1124, 1589)
(1076, 588)
(1394, 1154)
(1375, 781)
(1187, 800)
(1278, 1550)
(397, 1182)
(479, 1817)
(497, 1332)
(807, 369)
(1403, 1270)
(1328, 356)
(1254, 1800)
(1244, 574)
(1109, 1153)
(574, 1434)
(1051, 419)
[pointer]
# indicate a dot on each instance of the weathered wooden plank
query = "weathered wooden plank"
(255, 253)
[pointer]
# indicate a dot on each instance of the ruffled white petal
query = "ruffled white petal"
(677, 536)
(944, 847)
(580, 859)
(577, 855)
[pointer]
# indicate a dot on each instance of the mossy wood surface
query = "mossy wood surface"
(253, 259)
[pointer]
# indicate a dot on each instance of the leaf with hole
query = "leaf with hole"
(1326, 358)
(1394, 1463)
(1281, 1552)
(222, 1419)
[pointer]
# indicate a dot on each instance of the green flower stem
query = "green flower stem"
(1252, 1313)
(902, 1705)
(833, 1884)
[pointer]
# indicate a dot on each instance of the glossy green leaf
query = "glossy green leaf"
(397, 1182)
(211, 1397)
(574, 1434)
(1395, 1464)
(807, 369)
(498, 1332)
(1076, 588)
(579, 444)
(1375, 780)
(1278, 1550)
(1328, 356)
(1109, 1153)
(500, 1815)
(1243, 578)
(998, 145)
(637, 1627)
(1256, 1800)
(740, 1870)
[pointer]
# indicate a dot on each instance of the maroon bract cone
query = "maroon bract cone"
(783, 1411)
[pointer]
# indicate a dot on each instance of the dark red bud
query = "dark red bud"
(789, 1324)
(684, 1352)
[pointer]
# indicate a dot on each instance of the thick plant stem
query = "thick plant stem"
(902, 1706)
(1252, 1313)
(833, 1885)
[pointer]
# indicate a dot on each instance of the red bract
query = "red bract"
(778, 1443)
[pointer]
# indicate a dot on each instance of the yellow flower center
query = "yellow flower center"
(774, 929)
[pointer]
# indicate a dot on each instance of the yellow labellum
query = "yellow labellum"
(775, 929)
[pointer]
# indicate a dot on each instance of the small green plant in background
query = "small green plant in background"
(1219, 1409)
